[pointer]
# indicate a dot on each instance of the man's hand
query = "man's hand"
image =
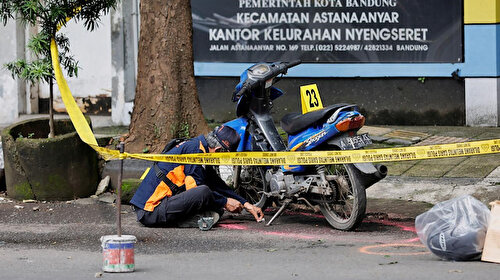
(255, 211)
(233, 205)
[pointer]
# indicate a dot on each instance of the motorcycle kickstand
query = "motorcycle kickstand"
(286, 202)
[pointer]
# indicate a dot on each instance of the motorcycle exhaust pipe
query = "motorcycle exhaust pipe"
(381, 171)
(369, 173)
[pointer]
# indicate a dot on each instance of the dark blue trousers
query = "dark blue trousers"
(177, 208)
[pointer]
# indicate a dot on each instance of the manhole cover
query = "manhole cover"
(407, 135)
(436, 140)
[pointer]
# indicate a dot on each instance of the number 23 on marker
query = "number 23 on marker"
(310, 99)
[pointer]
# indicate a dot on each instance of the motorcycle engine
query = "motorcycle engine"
(278, 181)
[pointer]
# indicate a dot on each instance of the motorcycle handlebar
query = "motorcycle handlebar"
(238, 94)
(287, 65)
(293, 63)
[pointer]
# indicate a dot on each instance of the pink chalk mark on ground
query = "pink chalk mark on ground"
(395, 224)
(411, 240)
(399, 225)
(410, 243)
(233, 226)
(402, 227)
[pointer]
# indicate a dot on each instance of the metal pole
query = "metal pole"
(121, 146)
(51, 109)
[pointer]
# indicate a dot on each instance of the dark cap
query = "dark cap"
(227, 137)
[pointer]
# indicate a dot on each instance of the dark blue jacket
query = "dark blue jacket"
(153, 189)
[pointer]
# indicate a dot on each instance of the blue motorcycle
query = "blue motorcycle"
(339, 190)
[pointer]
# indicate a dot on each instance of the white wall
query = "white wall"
(107, 59)
(93, 51)
(8, 86)
(482, 101)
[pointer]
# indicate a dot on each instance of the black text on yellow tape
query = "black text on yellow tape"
(328, 157)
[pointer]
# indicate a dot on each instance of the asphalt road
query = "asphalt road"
(63, 243)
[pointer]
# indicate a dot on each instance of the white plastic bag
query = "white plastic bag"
(454, 229)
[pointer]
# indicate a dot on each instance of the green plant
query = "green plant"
(49, 14)
(181, 130)
(157, 131)
(30, 135)
(421, 79)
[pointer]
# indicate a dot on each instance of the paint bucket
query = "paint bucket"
(118, 253)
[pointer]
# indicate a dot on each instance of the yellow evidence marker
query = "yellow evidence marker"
(310, 99)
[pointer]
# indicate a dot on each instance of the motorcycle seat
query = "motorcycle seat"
(294, 123)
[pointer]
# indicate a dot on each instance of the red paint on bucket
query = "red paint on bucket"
(118, 253)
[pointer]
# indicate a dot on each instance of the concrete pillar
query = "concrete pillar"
(12, 91)
(482, 92)
(124, 56)
(21, 54)
(482, 101)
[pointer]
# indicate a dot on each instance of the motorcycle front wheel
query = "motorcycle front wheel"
(252, 184)
(345, 208)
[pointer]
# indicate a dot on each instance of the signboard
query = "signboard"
(328, 30)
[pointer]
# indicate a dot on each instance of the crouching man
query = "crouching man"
(174, 194)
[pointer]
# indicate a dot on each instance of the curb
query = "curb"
(434, 190)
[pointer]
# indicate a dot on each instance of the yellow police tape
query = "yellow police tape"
(269, 158)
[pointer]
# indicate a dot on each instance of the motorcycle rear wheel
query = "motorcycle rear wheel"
(345, 209)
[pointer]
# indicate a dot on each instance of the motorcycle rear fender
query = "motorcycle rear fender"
(368, 173)
(335, 142)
